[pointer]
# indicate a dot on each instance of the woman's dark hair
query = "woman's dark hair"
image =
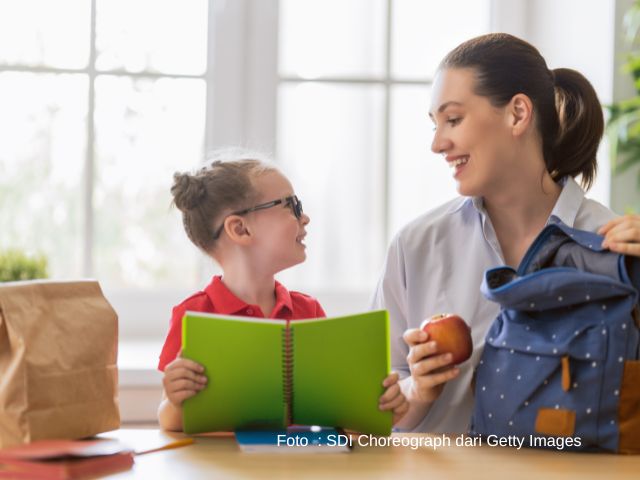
(567, 110)
(206, 196)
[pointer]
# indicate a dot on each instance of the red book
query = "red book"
(64, 459)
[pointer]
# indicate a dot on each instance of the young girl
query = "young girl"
(515, 135)
(245, 215)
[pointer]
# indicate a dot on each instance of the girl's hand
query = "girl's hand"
(182, 379)
(392, 398)
(622, 235)
(429, 371)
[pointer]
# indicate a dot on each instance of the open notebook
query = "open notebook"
(273, 373)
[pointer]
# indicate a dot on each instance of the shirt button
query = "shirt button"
(249, 311)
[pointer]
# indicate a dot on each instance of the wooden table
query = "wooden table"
(218, 456)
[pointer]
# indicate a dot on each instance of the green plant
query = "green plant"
(16, 265)
(624, 116)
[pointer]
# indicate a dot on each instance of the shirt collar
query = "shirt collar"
(565, 209)
(478, 203)
(283, 298)
(223, 299)
(568, 203)
(226, 303)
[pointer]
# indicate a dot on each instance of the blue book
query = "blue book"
(295, 439)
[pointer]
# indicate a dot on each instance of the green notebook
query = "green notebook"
(272, 373)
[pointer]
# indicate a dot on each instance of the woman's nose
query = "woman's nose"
(305, 219)
(440, 142)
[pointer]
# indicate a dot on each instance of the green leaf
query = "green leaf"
(16, 265)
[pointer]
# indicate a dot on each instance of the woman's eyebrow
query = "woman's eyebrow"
(445, 105)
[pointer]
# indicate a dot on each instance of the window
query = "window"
(104, 105)
(353, 131)
(100, 107)
(103, 100)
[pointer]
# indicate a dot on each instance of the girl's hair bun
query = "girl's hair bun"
(225, 184)
(188, 191)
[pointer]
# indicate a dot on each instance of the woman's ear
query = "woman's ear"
(520, 113)
(237, 229)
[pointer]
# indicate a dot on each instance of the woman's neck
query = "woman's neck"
(520, 212)
(523, 203)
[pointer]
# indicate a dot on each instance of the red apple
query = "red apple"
(452, 335)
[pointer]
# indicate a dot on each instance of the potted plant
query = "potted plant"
(16, 265)
(623, 124)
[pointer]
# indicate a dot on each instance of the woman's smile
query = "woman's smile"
(457, 162)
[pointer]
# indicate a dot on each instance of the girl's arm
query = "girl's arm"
(169, 415)
(182, 379)
(622, 235)
(392, 398)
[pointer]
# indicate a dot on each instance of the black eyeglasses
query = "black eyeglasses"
(291, 201)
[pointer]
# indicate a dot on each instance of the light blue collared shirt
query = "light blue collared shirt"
(435, 264)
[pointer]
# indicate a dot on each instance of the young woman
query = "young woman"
(515, 135)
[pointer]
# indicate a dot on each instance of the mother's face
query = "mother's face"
(473, 135)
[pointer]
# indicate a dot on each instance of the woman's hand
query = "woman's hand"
(622, 235)
(429, 371)
(392, 398)
(182, 379)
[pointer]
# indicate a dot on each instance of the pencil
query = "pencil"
(177, 444)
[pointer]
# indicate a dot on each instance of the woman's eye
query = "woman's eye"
(454, 121)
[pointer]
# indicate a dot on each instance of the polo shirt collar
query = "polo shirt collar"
(283, 298)
(223, 299)
(226, 303)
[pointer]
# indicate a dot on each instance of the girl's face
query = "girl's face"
(473, 136)
(279, 235)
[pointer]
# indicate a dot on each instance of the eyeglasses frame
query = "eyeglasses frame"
(292, 200)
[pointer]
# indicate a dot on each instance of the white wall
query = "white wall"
(577, 34)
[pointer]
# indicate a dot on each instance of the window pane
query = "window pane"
(167, 36)
(41, 166)
(332, 37)
(45, 33)
(423, 32)
(145, 131)
(420, 180)
(330, 145)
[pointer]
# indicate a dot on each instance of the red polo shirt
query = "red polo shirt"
(217, 298)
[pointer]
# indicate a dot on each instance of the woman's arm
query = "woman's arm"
(429, 373)
(411, 354)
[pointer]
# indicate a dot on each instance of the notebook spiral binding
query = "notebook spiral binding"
(287, 373)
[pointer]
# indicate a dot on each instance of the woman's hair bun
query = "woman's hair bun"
(188, 191)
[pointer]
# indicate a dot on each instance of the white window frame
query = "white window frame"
(241, 109)
(242, 88)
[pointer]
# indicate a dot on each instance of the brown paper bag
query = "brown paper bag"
(58, 368)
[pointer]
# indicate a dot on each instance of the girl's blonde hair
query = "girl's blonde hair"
(225, 184)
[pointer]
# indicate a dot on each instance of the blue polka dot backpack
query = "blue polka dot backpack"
(560, 366)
